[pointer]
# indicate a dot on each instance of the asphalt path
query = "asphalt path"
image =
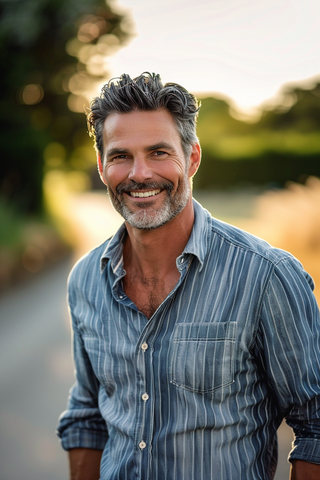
(36, 373)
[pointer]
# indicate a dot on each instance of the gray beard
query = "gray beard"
(147, 217)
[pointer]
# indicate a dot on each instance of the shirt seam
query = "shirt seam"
(250, 249)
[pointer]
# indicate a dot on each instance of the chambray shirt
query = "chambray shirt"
(198, 391)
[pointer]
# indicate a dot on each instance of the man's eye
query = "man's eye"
(159, 153)
(119, 157)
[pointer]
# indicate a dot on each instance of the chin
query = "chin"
(146, 220)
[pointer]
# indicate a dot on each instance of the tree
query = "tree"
(53, 51)
(283, 145)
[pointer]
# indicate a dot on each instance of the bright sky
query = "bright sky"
(245, 49)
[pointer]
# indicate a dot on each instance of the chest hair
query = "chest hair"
(147, 293)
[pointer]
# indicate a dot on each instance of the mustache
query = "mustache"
(133, 186)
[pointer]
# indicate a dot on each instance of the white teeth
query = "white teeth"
(151, 193)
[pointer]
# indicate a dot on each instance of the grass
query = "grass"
(290, 219)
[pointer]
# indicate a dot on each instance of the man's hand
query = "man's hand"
(301, 470)
(84, 464)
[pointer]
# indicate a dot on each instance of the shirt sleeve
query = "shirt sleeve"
(81, 425)
(289, 337)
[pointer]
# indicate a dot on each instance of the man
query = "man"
(192, 338)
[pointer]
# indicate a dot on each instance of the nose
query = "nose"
(140, 170)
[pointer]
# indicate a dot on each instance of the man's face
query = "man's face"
(145, 167)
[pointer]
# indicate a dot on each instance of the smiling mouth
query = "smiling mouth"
(150, 193)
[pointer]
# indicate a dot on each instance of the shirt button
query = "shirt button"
(144, 346)
(142, 445)
(181, 260)
(121, 297)
(145, 397)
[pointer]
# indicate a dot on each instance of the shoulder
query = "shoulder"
(87, 267)
(278, 262)
(234, 237)
(225, 238)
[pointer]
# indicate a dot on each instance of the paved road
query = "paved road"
(35, 375)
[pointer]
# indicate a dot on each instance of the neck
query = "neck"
(154, 252)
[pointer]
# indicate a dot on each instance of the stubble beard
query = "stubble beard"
(147, 217)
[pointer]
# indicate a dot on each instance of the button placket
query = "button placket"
(144, 406)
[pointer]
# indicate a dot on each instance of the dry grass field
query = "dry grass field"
(290, 219)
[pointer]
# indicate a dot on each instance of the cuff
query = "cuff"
(78, 438)
(306, 449)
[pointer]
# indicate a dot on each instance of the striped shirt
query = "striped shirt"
(198, 391)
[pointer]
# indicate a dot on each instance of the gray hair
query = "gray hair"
(145, 93)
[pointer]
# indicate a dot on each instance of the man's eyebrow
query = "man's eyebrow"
(149, 148)
(158, 146)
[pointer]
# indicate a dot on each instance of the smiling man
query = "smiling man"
(192, 339)
(160, 175)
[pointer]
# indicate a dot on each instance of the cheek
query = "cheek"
(172, 170)
(115, 174)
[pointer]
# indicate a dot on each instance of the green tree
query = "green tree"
(52, 52)
(284, 144)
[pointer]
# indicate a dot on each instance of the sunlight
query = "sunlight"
(246, 50)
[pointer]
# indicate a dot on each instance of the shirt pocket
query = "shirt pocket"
(202, 356)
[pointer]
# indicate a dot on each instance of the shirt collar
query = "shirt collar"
(197, 244)
(113, 250)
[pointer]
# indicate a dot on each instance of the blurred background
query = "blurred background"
(256, 68)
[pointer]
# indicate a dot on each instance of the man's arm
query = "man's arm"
(81, 426)
(289, 342)
(301, 470)
(84, 464)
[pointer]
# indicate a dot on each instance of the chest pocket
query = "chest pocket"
(202, 356)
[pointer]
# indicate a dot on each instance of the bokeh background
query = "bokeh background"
(256, 68)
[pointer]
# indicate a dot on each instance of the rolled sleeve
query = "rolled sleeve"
(88, 433)
(306, 449)
(306, 426)
(81, 425)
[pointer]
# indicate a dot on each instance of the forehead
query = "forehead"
(139, 128)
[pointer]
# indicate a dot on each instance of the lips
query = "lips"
(150, 193)
(143, 190)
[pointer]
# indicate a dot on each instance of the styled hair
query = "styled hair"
(145, 93)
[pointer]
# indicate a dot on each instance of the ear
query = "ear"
(100, 168)
(195, 159)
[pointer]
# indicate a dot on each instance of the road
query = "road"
(35, 375)
(36, 370)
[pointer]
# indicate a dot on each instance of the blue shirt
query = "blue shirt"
(198, 391)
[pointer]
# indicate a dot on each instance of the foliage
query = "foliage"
(26, 245)
(11, 226)
(53, 51)
(284, 144)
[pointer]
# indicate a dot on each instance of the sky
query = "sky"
(243, 49)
